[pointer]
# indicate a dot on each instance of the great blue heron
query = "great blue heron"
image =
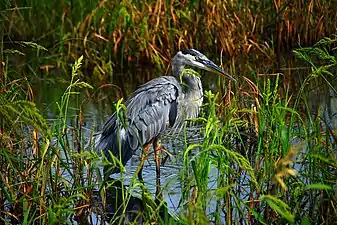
(155, 106)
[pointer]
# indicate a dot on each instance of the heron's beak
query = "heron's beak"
(212, 67)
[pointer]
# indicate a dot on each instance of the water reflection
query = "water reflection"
(322, 101)
(116, 208)
(119, 206)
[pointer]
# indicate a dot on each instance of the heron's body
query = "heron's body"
(160, 103)
(149, 113)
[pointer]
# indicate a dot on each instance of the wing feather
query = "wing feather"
(151, 109)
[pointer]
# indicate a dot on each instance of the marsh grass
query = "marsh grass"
(270, 161)
(45, 175)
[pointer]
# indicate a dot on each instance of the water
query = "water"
(97, 108)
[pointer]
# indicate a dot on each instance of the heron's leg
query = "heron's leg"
(157, 148)
(168, 155)
(144, 156)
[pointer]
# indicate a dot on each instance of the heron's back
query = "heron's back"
(152, 108)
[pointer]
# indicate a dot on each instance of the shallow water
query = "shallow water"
(98, 107)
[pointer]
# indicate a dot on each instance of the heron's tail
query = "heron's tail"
(117, 149)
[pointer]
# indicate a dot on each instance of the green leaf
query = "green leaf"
(318, 187)
(305, 221)
(279, 206)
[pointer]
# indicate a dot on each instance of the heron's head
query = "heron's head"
(193, 58)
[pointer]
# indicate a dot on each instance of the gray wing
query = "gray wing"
(154, 107)
(151, 109)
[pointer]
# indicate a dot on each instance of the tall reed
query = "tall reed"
(117, 34)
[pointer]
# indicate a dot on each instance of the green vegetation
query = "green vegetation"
(267, 147)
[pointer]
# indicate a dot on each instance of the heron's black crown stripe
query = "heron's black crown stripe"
(189, 51)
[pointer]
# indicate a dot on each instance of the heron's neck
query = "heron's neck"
(191, 82)
(177, 68)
